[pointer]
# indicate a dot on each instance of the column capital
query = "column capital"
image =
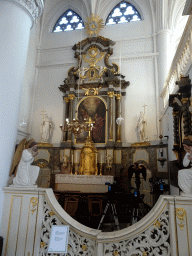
(110, 94)
(66, 99)
(71, 96)
(34, 8)
(118, 96)
(184, 100)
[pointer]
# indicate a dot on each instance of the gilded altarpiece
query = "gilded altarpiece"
(94, 89)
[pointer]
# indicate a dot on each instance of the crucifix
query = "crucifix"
(90, 125)
(144, 107)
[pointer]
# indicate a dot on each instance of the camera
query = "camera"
(110, 187)
(159, 187)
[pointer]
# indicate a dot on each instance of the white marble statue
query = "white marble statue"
(46, 129)
(141, 127)
(185, 175)
(27, 174)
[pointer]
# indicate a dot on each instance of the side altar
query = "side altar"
(82, 183)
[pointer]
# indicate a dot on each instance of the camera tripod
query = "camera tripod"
(137, 212)
(110, 204)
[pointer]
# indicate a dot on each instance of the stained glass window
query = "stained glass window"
(69, 20)
(123, 12)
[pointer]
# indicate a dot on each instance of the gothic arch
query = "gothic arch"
(106, 8)
(60, 8)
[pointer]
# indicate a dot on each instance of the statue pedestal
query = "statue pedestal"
(82, 183)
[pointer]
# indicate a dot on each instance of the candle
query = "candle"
(76, 157)
(72, 158)
(96, 158)
(101, 160)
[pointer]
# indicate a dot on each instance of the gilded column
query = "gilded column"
(110, 125)
(118, 114)
(71, 97)
(66, 116)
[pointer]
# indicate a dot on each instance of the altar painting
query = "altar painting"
(95, 108)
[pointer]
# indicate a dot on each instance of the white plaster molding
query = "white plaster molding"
(69, 47)
(164, 31)
(34, 8)
(180, 64)
(56, 65)
(126, 58)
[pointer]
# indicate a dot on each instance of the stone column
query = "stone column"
(163, 41)
(71, 97)
(118, 114)
(110, 118)
(17, 17)
(65, 117)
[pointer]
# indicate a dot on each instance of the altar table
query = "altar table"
(82, 183)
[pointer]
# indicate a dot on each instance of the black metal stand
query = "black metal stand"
(137, 212)
(109, 205)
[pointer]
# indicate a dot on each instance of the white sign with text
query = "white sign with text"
(59, 239)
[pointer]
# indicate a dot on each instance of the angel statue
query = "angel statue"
(25, 174)
(46, 129)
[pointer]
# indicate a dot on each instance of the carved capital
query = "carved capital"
(175, 113)
(118, 96)
(66, 99)
(71, 96)
(110, 94)
(34, 8)
(184, 100)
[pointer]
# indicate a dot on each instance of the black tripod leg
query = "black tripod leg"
(115, 216)
(103, 216)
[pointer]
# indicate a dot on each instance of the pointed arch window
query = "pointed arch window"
(69, 20)
(123, 12)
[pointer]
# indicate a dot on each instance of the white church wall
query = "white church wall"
(141, 91)
(28, 84)
(134, 43)
(48, 97)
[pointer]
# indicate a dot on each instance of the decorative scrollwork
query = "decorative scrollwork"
(77, 244)
(181, 214)
(153, 241)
